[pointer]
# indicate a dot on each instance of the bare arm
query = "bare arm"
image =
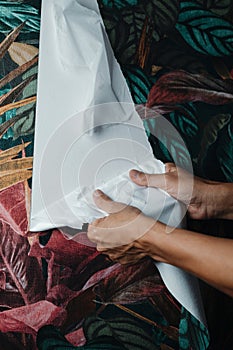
(209, 258)
(204, 199)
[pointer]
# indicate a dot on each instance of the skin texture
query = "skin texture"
(209, 258)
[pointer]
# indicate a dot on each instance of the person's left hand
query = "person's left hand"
(119, 232)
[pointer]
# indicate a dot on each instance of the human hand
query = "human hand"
(123, 226)
(204, 199)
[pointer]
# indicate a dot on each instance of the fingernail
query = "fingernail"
(97, 193)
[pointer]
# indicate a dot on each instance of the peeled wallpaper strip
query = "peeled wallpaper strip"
(89, 135)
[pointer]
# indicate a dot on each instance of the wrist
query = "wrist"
(153, 242)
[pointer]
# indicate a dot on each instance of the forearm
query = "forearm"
(209, 258)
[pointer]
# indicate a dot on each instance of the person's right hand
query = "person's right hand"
(204, 199)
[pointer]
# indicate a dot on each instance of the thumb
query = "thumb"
(148, 180)
(107, 204)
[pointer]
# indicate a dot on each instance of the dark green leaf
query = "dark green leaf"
(164, 13)
(204, 31)
(225, 151)
(50, 338)
(169, 55)
(118, 31)
(135, 19)
(220, 7)
(124, 329)
(210, 136)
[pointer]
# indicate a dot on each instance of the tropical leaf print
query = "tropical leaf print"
(204, 31)
(211, 134)
(168, 54)
(118, 3)
(220, 7)
(125, 330)
(12, 15)
(164, 13)
(180, 87)
(225, 150)
(138, 82)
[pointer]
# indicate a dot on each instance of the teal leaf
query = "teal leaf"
(225, 151)
(119, 3)
(220, 7)
(138, 82)
(13, 14)
(193, 334)
(184, 119)
(204, 31)
(166, 142)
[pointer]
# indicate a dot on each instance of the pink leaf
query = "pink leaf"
(24, 281)
(13, 208)
(2, 280)
(66, 252)
(53, 273)
(180, 87)
(130, 284)
(30, 318)
(76, 338)
(60, 295)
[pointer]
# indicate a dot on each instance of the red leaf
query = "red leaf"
(60, 295)
(84, 260)
(100, 275)
(13, 208)
(76, 338)
(66, 251)
(53, 273)
(85, 270)
(180, 87)
(130, 284)
(30, 318)
(2, 280)
(24, 280)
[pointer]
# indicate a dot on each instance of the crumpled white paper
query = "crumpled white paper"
(88, 135)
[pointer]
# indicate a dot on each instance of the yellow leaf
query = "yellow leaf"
(16, 164)
(12, 178)
(12, 152)
(22, 53)
(17, 104)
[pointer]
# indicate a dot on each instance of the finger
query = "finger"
(148, 180)
(107, 204)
